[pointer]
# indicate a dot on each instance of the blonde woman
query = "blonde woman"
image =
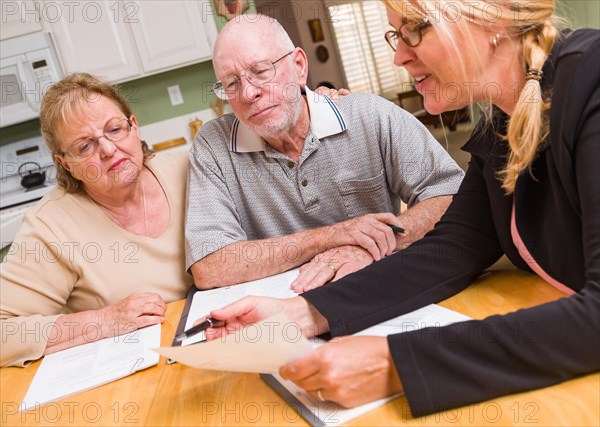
(531, 192)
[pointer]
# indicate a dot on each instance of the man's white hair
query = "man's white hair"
(282, 38)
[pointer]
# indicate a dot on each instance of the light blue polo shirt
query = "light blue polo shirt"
(361, 156)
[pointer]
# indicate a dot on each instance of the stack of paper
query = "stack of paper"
(81, 368)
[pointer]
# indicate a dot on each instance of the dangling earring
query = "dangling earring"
(495, 41)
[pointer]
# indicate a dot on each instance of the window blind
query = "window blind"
(367, 59)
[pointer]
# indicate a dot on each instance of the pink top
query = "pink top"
(529, 259)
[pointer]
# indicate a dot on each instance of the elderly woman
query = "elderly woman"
(100, 254)
(531, 192)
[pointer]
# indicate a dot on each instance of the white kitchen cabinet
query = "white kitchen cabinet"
(93, 37)
(123, 40)
(19, 18)
(169, 33)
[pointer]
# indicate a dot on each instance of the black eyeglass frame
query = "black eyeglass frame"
(218, 85)
(417, 28)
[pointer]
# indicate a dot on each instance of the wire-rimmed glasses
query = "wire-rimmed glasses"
(115, 131)
(257, 74)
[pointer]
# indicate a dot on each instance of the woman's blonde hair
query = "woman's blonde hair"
(60, 103)
(532, 24)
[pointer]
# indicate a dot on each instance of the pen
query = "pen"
(396, 229)
(200, 327)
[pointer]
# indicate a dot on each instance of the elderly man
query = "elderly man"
(290, 176)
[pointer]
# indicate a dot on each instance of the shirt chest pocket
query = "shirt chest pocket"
(365, 196)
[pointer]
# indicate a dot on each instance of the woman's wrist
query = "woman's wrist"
(310, 320)
(394, 382)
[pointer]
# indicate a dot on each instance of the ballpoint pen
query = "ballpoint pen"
(396, 228)
(200, 327)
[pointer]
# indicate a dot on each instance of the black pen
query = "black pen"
(396, 228)
(200, 327)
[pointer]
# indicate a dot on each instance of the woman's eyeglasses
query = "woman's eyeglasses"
(411, 33)
(114, 132)
(257, 74)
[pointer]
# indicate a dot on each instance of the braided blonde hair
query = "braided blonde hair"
(532, 24)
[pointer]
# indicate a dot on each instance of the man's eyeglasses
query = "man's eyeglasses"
(114, 132)
(257, 74)
(411, 33)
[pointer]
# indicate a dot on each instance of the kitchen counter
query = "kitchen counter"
(177, 127)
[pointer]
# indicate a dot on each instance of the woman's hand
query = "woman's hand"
(333, 94)
(349, 371)
(253, 309)
(331, 265)
(132, 313)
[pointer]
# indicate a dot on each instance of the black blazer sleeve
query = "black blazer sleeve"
(443, 263)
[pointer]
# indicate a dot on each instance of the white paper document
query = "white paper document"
(319, 413)
(262, 347)
(277, 286)
(266, 346)
(81, 368)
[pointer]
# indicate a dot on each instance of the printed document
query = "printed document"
(262, 347)
(277, 286)
(81, 368)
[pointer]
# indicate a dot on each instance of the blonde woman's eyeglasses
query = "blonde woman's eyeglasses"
(411, 33)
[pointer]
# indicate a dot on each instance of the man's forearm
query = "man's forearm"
(249, 260)
(420, 219)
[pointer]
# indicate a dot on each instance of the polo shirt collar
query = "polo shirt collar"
(325, 120)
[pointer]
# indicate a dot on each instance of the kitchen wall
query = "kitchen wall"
(294, 15)
(580, 13)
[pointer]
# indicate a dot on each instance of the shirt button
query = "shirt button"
(290, 165)
(304, 183)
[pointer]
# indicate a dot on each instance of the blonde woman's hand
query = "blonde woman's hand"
(333, 94)
(253, 309)
(349, 371)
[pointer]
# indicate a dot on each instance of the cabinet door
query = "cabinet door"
(92, 36)
(172, 33)
(19, 18)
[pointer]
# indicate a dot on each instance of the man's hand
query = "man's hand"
(331, 265)
(348, 370)
(370, 232)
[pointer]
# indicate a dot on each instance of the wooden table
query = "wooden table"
(180, 395)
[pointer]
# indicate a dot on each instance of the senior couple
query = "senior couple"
(290, 167)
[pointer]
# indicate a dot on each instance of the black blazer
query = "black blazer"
(558, 217)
